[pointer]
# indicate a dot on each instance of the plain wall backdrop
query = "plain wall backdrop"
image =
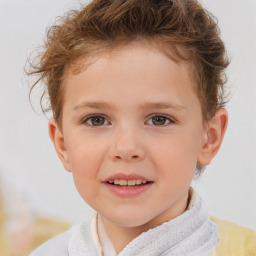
(28, 162)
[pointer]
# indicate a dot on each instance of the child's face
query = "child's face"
(132, 115)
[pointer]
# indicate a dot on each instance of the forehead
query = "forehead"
(135, 73)
(142, 47)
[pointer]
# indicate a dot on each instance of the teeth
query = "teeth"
(123, 182)
(131, 182)
(127, 182)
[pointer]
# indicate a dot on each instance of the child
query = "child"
(137, 94)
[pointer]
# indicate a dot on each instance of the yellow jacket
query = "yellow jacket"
(234, 240)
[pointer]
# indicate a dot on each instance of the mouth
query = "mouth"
(128, 183)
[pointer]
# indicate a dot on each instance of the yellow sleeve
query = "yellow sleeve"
(235, 240)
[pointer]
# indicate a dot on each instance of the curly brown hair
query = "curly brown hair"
(182, 29)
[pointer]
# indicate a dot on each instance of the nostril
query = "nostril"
(127, 154)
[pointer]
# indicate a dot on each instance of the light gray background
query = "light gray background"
(28, 162)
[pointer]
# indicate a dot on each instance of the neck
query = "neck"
(120, 236)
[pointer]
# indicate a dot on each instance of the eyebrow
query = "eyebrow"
(94, 104)
(145, 106)
(161, 105)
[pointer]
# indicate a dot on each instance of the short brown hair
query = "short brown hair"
(182, 27)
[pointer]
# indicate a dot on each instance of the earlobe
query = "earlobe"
(57, 139)
(216, 129)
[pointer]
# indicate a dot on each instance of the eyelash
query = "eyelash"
(84, 121)
(170, 120)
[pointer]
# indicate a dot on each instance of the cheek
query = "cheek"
(175, 157)
(85, 158)
(84, 150)
(85, 161)
(85, 168)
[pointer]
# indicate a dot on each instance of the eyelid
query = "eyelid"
(85, 119)
(170, 119)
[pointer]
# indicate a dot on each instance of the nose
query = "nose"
(127, 146)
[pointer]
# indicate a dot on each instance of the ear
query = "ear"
(57, 138)
(215, 130)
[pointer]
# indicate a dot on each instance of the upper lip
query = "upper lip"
(123, 176)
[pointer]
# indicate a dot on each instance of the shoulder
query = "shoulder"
(61, 244)
(235, 239)
(57, 246)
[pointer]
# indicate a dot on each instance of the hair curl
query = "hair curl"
(180, 27)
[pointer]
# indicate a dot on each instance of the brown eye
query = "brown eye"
(96, 121)
(160, 120)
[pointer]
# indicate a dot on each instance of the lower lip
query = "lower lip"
(128, 191)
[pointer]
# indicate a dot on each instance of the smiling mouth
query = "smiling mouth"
(128, 183)
(128, 186)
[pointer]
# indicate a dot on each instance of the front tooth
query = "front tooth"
(128, 182)
(131, 182)
(123, 182)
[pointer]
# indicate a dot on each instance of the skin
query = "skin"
(129, 140)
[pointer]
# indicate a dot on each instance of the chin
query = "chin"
(130, 220)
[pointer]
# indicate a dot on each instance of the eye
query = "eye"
(96, 120)
(160, 120)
